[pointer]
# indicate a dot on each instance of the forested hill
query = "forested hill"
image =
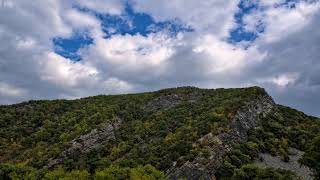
(174, 133)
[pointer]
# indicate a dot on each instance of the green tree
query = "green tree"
(311, 157)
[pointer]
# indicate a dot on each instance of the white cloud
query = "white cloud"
(79, 19)
(29, 69)
(9, 90)
(281, 21)
(271, 3)
(284, 79)
(224, 57)
(66, 73)
(103, 6)
(26, 43)
(114, 85)
(135, 50)
(291, 64)
(29, 18)
(215, 16)
(285, 55)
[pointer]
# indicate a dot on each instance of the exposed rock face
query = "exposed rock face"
(171, 100)
(87, 142)
(293, 165)
(247, 117)
(204, 167)
(90, 141)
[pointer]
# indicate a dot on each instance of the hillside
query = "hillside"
(174, 133)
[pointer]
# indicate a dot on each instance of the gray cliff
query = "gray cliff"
(247, 117)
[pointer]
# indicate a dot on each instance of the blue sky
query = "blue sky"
(132, 22)
(129, 22)
(71, 49)
(239, 34)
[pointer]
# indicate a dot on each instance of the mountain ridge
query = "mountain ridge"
(183, 132)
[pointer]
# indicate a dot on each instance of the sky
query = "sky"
(68, 49)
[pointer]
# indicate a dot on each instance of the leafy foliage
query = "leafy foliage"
(157, 129)
(281, 129)
(249, 171)
(147, 172)
(312, 156)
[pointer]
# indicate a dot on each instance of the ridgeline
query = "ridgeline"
(174, 133)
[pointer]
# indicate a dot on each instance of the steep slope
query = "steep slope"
(282, 136)
(247, 117)
(182, 132)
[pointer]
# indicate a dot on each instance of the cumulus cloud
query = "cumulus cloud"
(9, 90)
(102, 6)
(214, 16)
(281, 21)
(135, 50)
(290, 69)
(79, 19)
(29, 69)
(64, 73)
(223, 57)
(282, 80)
(284, 58)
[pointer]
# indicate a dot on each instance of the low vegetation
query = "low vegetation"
(157, 130)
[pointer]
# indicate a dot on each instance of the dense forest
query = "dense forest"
(145, 135)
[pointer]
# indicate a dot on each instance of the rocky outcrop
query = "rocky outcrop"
(88, 142)
(267, 160)
(205, 166)
(248, 116)
(170, 101)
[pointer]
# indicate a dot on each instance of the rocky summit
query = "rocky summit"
(177, 133)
